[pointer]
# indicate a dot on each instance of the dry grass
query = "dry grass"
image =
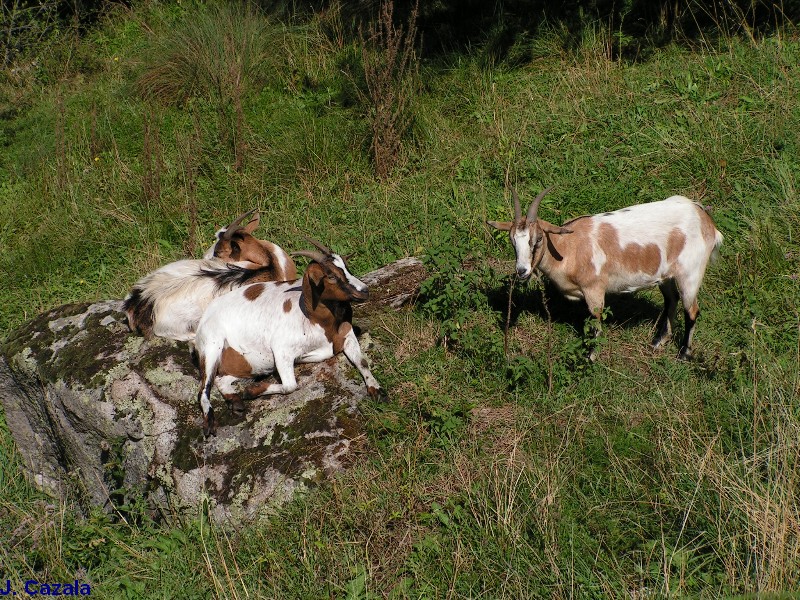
(750, 494)
(390, 70)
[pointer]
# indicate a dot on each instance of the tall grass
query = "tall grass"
(219, 53)
(389, 59)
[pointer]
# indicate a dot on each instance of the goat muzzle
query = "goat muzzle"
(359, 296)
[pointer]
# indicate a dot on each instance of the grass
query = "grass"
(540, 476)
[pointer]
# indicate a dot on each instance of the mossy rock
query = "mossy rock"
(112, 418)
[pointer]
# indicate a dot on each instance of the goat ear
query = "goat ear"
(501, 225)
(253, 224)
(554, 230)
(316, 277)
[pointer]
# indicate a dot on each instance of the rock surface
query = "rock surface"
(111, 417)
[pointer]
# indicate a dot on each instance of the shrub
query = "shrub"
(25, 25)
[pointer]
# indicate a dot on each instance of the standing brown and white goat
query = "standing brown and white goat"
(268, 327)
(170, 301)
(667, 243)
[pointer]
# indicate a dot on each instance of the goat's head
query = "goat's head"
(329, 277)
(235, 243)
(527, 234)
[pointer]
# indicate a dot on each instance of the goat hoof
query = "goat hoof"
(377, 394)
(658, 345)
(685, 354)
(237, 406)
(209, 424)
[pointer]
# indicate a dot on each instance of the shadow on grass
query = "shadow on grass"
(627, 311)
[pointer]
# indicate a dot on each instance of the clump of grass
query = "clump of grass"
(216, 53)
(742, 486)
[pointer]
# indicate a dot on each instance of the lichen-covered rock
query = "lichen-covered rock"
(111, 417)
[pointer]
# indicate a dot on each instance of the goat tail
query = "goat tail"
(718, 237)
(139, 307)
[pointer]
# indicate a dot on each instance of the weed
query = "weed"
(455, 291)
(390, 71)
(26, 27)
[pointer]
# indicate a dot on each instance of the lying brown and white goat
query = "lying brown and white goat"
(268, 327)
(170, 301)
(667, 243)
(236, 244)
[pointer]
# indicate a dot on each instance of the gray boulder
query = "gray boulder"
(112, 418)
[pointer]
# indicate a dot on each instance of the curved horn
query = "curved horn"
(534, 207)
(319, 245)
(517, 209)
(310, 254)
(236, 224)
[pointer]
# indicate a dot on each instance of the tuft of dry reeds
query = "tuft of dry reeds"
(390, 70)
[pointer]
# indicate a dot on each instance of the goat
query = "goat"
(667, 243)
(170, 301)
(236, 244)
(268, 327)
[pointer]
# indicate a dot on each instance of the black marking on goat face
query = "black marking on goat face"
(317, 289)
(538, 246)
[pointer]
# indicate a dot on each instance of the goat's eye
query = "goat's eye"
(331, 279)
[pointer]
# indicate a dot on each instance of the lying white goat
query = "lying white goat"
(268, 327)
(667, 243)
(170, 301)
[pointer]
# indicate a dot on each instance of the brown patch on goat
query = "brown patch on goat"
(634, 258)
(234, 363)
(287, 306)
(675, 243)
(254, 291)
(575, 256)
(255, 251)
(255, 389)
(243, 247)
(707, 228)
(338, 341)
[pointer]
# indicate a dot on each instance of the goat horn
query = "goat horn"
(310, 254)
(517, 209)
(534, 207)
(236, 224)
(319, 245)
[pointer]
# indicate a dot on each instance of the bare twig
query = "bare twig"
(508, 315)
